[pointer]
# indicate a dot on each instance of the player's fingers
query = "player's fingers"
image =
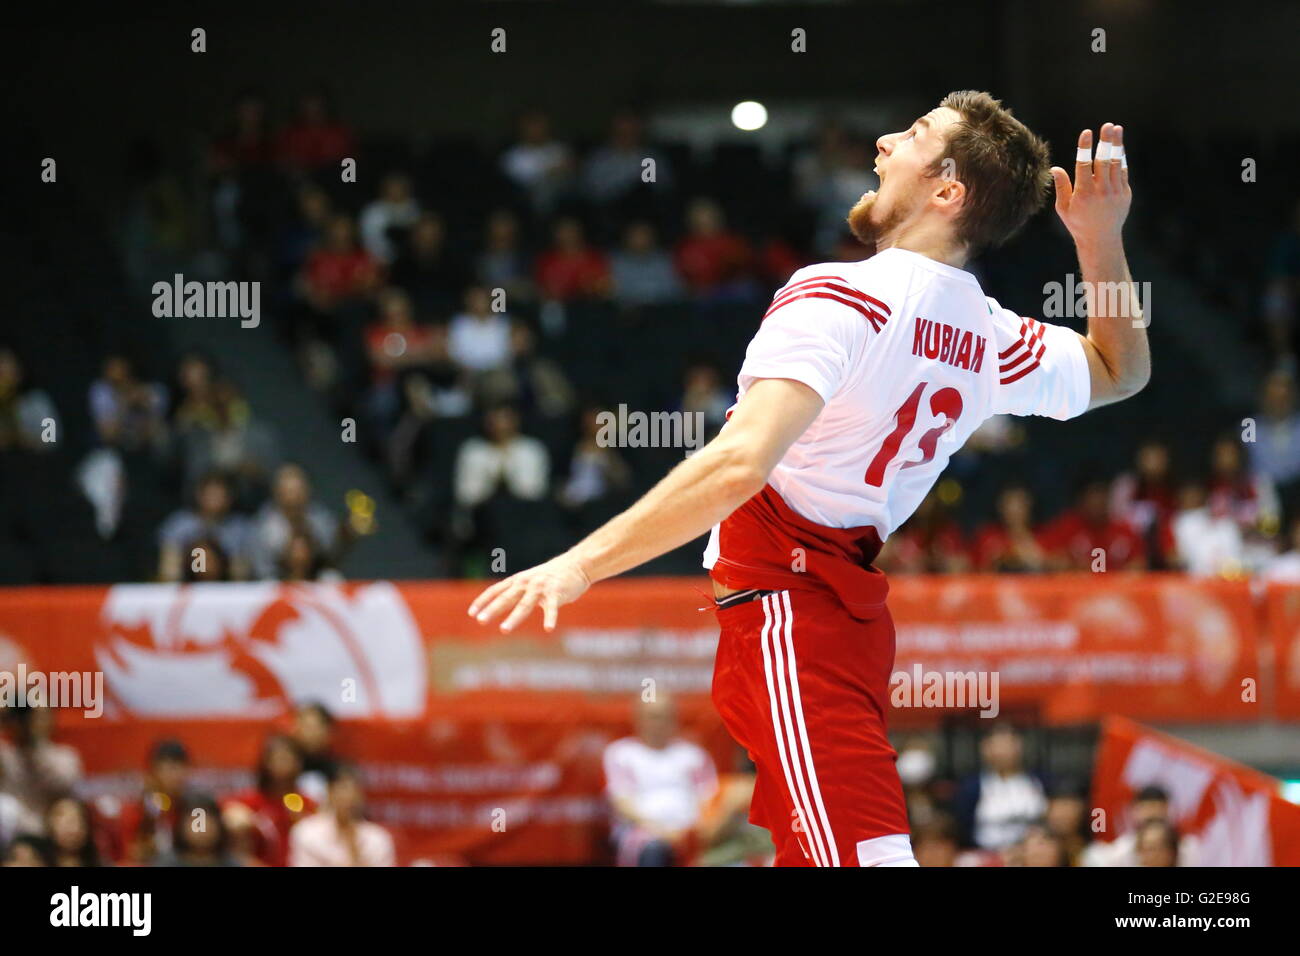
(1083, 163)
(550, 610)
(1061, 180)
(487, 595)
(504, 600)
(521, 611)
(1122, 173)
(1101, 159)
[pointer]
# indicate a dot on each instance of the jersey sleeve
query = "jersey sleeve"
(810, 332)
(1042, 368)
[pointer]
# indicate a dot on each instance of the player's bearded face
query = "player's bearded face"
(870, 219)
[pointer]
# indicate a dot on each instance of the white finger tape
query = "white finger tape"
(1119, 154)
(1103, 151)
(1084, 155)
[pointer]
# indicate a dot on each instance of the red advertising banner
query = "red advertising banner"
(487, 747)
(1282, 625)
(1237, 814)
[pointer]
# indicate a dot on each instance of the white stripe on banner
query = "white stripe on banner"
(787, 744)
(803, 731)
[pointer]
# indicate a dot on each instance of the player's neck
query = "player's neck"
(940, 248)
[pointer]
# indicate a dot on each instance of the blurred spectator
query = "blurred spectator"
(1285, 567)
(128, 412)
(221, 433)
(316, 137)
(1145, 497)
(211, 517)
(1233, 490)
(33, 768)
(290, 508)
(726, 837)
(616, 168)
(540, 165)
(1082, 537)
(995, 806)
(260, 819)
(207, 561)
(303, 559)
(1149, 805)
(704, 394)
(479, 338)
(502, 460)
(25, 409)
(339, 835)
(313, 732)
(571, 269)
(658, 785)
(598, 476)
(305, 231)
(1282, 292)
(641, 271)
(148, 823)
(935, 843)
(1207, 538)
(395, 343)
(830, 178)
(1067, 820)
(503, 263)
(530, 382)
(428, 269)
(200, 836)
(713, 261)
(1156, 844)
(15, 818)
(27, 849)
(71, 831)
(384, 222)
(339, 270)
(1275, 452)
(246, 142)
(1010, 544)
(1039, 847)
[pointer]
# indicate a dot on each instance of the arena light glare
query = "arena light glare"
(749, 115)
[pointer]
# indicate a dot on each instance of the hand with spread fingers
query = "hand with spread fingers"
(1095, 206)
(548, 586)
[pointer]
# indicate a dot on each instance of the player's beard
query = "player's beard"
(865, 229)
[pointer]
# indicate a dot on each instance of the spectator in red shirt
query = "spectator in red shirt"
(339, 271)
(148, 822)
(1234, 490)
(316, 137)
(713, 261)
(259, 820)
(1146, 499)
(1010, 544)
(1090, 538)
(570, 269)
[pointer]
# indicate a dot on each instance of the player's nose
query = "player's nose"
(886, 142)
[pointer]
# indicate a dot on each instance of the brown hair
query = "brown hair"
(1004, 167)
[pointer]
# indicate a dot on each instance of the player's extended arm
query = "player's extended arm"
(1094, 210)
(690, 500)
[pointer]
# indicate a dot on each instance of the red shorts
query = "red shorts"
(804, 686)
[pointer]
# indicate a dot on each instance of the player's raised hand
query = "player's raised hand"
(560, 580)
(1095, 206)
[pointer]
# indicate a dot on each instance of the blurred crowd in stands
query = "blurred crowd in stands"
(474, 311)
(668, 805)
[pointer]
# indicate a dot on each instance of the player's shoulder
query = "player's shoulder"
(842, 285)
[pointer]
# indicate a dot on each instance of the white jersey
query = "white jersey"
(910, 357)
(667, 786)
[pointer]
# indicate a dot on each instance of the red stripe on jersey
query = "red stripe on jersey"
(1023, 372)
(875, 318)
(835, 282)
(1024, 348)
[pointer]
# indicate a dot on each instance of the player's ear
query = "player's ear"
(950, 194)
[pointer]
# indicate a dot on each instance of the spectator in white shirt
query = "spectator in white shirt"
(338, 835)
(998, 804)
(659, 785)
(538, 164)
(504, 459)
(395, 211)
(1275, 451)
(478, 338)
